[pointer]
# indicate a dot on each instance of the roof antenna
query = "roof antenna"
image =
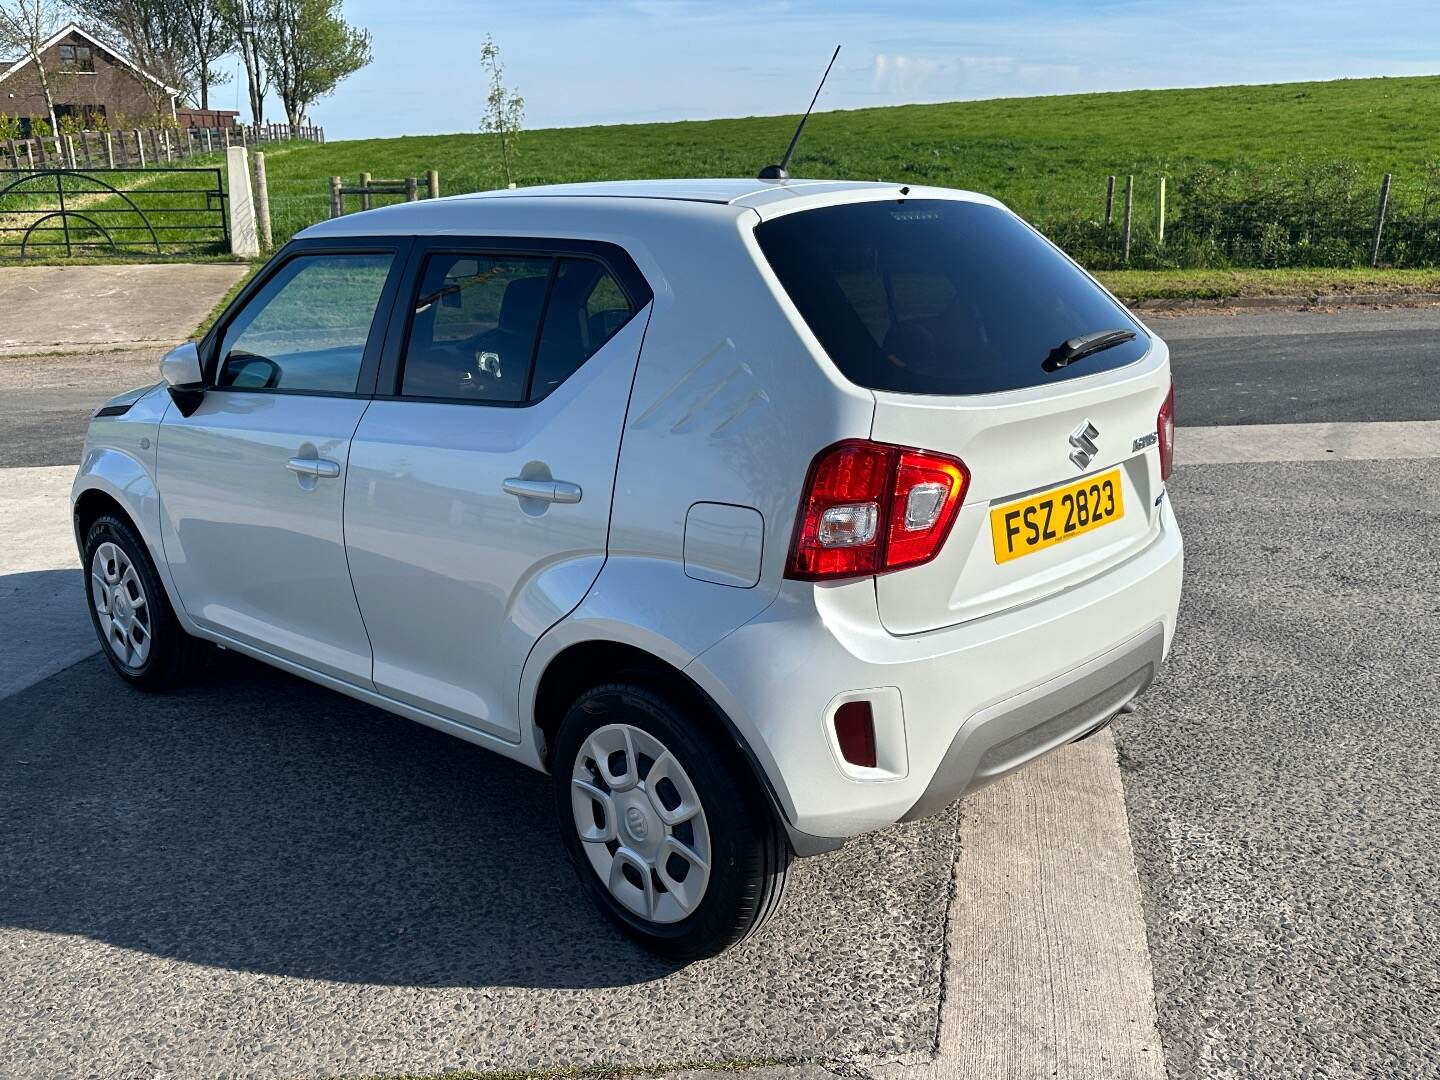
(778, 172)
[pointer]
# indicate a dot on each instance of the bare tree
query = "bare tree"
(210, 39)
(504, 109)
(243, 30)
(27, 25)
(308, 49)
(155, 35)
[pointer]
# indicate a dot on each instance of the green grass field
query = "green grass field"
(1259, 177)
(1046, 157)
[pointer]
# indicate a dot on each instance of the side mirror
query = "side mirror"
(181, 370)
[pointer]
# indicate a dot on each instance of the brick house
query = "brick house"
(89, 80)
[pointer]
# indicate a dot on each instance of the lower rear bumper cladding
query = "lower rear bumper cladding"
(999, 739)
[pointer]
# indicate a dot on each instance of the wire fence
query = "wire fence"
(1327, 215)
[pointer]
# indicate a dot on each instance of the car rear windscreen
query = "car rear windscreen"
(927, 296)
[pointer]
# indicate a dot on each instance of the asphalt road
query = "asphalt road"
(46, 401)
(258, 876)
(1268, 368)
(1302, 367)
(1281, 777)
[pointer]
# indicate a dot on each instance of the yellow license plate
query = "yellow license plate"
(1061, 513)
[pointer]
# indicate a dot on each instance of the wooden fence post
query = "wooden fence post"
(334, 196)
(1160, 209)
(412, 189)
(262, 202)
(1380, 219)
(364, 191)
(14, 153)
(1129, 211)
(1109, 201)
(432, 182)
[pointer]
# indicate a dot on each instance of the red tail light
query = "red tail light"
(1165, 429)
(871, 507)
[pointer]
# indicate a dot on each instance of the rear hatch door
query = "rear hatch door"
(1034, 520)
(980, 339)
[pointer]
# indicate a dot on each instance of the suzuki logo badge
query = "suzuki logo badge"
(1083, 440)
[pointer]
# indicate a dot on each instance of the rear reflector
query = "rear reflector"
(871, 507)
(855, 732)
(1165, 429)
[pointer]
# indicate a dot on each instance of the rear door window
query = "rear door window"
(922, 296)
(472, 335)
(586, 309)
(507, 329)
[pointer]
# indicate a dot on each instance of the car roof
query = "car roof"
(764, 197)
(729, 192)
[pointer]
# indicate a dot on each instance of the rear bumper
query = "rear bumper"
(1002, 738)
(954, 708)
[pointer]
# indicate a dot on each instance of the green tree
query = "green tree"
(307, 49)
(504, 110)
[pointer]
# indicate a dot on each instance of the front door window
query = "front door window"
(306, 329)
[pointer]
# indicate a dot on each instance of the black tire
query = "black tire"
(173, 657)
(750, 855)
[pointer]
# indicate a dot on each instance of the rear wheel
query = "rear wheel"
(137, 628)
(666, 829)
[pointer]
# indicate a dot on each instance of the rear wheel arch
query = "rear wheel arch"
(587, 664)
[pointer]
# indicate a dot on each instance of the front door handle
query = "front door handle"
(309, 466)
(555, 491)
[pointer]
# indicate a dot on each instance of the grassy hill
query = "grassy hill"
(1046, 156)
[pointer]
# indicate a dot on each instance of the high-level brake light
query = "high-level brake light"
(871, 507)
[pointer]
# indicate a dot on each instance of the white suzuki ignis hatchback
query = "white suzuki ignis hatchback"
(757, 514)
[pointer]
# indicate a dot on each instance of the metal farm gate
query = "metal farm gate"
(121, 211)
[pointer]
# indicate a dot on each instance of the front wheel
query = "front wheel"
(137, 628)
(668, 833)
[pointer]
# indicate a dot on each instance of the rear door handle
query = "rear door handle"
(308, 466)
(555, 491)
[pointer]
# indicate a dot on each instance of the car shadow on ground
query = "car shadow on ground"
(258, 822)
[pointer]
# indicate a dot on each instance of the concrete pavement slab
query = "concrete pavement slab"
(42, 592)
(1047, 973)
(57, 308)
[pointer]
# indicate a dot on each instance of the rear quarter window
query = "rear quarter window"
(924, 296)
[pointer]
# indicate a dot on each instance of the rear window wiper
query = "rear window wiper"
(1077, 348)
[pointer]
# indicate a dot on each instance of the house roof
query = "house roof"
(79, 31)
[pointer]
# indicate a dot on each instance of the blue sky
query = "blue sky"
(627, 60)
